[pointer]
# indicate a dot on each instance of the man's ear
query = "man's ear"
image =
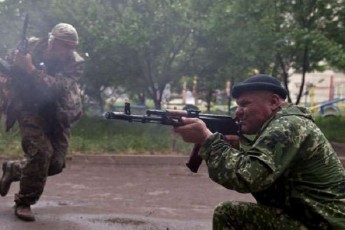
(275, 102)
(50, 44)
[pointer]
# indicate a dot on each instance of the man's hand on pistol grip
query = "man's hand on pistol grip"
(193, 130)
(24, 61)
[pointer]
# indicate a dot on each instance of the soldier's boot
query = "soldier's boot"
(24, 212)
(8, 176)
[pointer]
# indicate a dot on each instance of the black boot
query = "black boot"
(24, 212)
(8, 176)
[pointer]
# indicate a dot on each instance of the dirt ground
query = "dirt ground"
(125, 192)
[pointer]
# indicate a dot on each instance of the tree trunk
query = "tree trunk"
(285, 75)
(304, 70)
(141, 99)
(209, 99)
(100, 103)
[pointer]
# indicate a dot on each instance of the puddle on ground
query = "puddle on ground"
(124, 222)
(43, 203)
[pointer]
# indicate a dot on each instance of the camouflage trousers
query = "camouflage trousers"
(249, 216)
(45, 146)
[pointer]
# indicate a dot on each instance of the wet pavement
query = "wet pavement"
(123, 192)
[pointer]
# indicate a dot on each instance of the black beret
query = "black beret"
(259, 82)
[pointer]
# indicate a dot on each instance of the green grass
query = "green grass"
(333, 128)
(114, 136)
(10, 144)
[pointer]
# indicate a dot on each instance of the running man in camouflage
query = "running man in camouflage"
(44, 98)
(289, 167)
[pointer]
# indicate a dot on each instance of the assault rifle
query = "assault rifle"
(24, 43)
(215, 123)
(22, 47)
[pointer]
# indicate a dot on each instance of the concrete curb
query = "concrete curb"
(129, 159)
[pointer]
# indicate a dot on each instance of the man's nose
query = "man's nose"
(239, 111)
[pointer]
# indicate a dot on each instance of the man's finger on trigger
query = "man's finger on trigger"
(232, 138)
(189, 120)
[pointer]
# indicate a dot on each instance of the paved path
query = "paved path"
(123, 192)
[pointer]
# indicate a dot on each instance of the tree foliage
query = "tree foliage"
(140, 46)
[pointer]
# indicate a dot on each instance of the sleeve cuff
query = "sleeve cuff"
(206, 148)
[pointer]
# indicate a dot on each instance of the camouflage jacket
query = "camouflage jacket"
(289, 165)
(51, 91)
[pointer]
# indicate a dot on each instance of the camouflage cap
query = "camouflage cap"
(65, 32)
